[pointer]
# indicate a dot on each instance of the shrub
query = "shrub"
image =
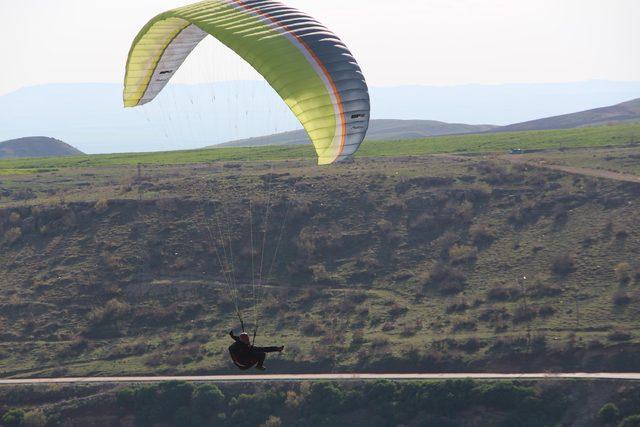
(623, 273)
(495, 315)
(113, 310)
(311, 328)
(357, 297)
(293, 400)
(457, 307)
(444, 243)
(397, 310)
(101, 206)
(272, 421)
(608, 414)
(424, 279)
(386, 231)
(14, 218)
(619, 336)
(450, 279)
(357, 337)
(13, 418)
(388, 327)
(459, 254)
(472, 345)
(326, 398)
(560, 213)
(464, 325)
(310, 295)
(409, 330)
(621, 234)
(25, 194)
(632, 421)
(182, 417)
(225, 301)
(547, 311)
(539, 343)
(621, 298)
(363, 312)
(13, 235)
(526, 213)
(524, 314)
(125, 398)
(505, 396)
(77, 346)
(463, 212)
(379, 342)
(481, 234)
(503, 293)
(541, 290)
(207, 399)
(320, 273)
(563, 265)
(422, 223)
(34, 419)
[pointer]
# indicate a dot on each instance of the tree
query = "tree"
(325, 398)
(172, 396)
(272, 421)
(207, 399)
(34, 419)
(609, 413)
(13, 418)
(182, 417)
(632, 421)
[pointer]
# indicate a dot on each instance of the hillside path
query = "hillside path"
(596, 173)
(519, 159)
(327, 377)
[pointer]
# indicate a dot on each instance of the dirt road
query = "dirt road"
(596, 173)
(539, 163)
(327, 377)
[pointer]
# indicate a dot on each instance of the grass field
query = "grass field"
(482, 143)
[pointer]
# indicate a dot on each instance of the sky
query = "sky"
(413, 42)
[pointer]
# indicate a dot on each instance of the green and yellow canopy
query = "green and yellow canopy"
(306, 64)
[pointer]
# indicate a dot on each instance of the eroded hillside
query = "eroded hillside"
(393, 264)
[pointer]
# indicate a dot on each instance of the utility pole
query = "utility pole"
(577, 296)
(139, 180)
(525, 306)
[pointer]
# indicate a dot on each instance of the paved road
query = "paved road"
(326, 377)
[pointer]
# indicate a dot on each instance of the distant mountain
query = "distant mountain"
(90, 116)
(625, 112)
(497, 104)
(378, 130)
(36, 146)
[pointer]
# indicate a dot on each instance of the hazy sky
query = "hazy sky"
(434, 42)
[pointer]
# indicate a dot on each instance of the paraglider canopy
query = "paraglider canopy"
(305, 63)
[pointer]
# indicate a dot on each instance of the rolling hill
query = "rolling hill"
(90, 116)
(36, 146)
(625, 112)
(379, 130)
(390, 130)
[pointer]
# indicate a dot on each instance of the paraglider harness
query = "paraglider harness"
(234, 356)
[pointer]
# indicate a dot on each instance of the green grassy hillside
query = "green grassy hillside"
(407, 263)
(481, 143)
